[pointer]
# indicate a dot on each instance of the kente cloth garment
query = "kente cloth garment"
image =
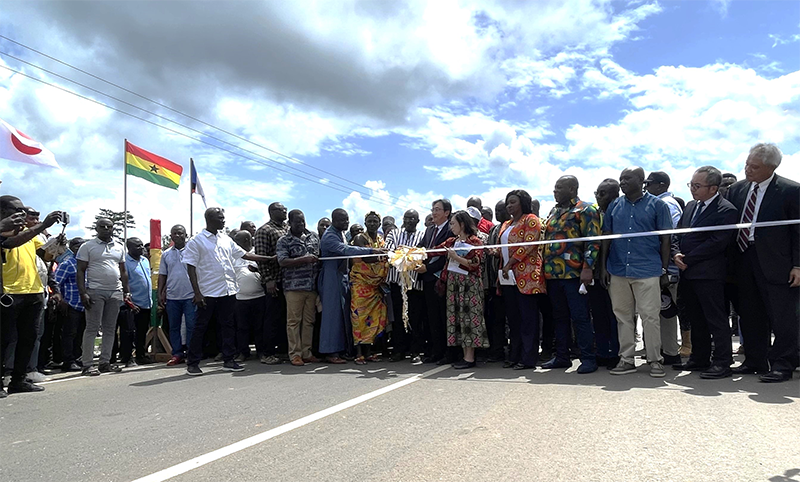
(465, 324)
(528, 270)
(368, 313)
(335, 332)
(566, 260)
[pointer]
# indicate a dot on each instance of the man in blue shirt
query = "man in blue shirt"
(297, 254)
(74, 322)
(175, 294)
(141, 285)
(635, 269)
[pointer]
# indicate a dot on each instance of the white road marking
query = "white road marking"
(204, 459)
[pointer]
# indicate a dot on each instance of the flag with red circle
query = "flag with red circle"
(17, 146)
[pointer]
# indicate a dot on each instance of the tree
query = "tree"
(116, 217)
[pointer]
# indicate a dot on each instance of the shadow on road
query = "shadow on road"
(687, 382)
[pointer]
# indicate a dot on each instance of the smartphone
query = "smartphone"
(64, 217)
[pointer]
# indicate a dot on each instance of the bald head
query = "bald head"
(244, 239)
(565, 190)
(475, 201)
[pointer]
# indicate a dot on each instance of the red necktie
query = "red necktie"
(743, 239)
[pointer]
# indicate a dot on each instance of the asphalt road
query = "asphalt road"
(488, 423)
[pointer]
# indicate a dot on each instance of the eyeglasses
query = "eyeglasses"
(695, 186)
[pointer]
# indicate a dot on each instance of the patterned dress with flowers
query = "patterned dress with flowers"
(465, 323)
(367, 309)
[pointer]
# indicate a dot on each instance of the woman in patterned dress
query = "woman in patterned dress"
(520, 279)
(368, 313)
(465, 324)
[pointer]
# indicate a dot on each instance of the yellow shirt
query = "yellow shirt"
(20, 275)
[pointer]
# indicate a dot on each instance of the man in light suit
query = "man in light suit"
(430, 270)
(768, 264)
(701, 291)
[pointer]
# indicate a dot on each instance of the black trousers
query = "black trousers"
(767, 307)
(731, 299)
(548, 323)
(436, 308)
(141, 322)
(604, 322)
(274, 333)
(20, 316)
(250, 316)
(702, 303)
(412, 341)
(222, 310)
(495, 316)
(73, 325)
(50, 343)
(523, 326)
(123, 337)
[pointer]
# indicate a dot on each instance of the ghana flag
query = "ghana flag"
(151, 167)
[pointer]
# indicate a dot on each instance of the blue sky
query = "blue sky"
(408, 101)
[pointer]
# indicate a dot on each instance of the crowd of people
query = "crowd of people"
(329, 295)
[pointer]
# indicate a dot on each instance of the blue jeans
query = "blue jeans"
(175, 310)
(568, 305)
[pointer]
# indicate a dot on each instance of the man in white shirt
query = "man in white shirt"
(251, 301)
(209, 259)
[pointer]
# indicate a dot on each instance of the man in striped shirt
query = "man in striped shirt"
(74, 322)
(403, 342)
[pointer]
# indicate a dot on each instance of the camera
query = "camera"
(64, 218)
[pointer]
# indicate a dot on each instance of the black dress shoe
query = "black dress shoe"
(691, 366)
(443, 361)
(520, 366)
(716, 372)
(746, 370)
(72, 367)
(612, 362)
(461, 365)
(672, 359)
(429, 359)
(509, 364)
(774, 376)
(23, 387)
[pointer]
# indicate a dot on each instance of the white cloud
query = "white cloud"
(721, 6)
(781, 40)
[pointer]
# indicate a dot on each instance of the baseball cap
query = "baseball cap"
(657, 177)
(473, 212)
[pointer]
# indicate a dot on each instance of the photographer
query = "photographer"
(23, 300)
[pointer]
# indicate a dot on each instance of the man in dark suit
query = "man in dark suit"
(431, 269)
(768, 266)
(701, 258)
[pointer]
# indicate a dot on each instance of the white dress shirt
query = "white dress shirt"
(705, 206)
(213, 257)
(762, 188)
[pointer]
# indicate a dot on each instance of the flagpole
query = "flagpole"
(191, 216)
(125, 194)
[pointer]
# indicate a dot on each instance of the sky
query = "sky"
(386, 106)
